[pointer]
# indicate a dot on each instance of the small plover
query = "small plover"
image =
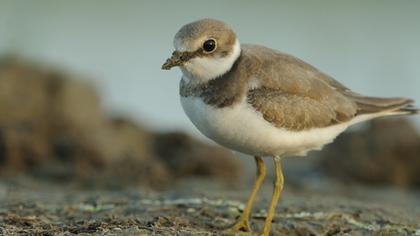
(262, 102)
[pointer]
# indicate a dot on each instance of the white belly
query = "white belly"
(241, 128)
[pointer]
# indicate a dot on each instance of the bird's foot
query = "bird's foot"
(239, 228)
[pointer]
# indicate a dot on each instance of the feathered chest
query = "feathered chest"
(220, 92)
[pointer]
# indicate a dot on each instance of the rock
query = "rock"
(24, 115)
(186, 156)
(386, 152)
(52, 126)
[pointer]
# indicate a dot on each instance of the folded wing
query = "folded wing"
(294, 95)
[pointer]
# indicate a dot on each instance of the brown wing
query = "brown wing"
(292, 111)
(294, 95)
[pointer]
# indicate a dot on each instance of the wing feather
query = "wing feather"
(294, 95)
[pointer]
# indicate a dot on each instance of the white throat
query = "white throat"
(202, 69)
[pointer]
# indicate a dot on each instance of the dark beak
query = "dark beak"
(177, 59)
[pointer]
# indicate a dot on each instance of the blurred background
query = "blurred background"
(82, 80)
(371, 46)
(83, 99)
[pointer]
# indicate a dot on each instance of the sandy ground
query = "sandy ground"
(202, 207)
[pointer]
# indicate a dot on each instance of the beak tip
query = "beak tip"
(175, 60)
(167, 65)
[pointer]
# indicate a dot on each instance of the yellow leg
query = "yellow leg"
(278, 188)
(243, 222)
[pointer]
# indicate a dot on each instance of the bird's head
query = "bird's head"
(204, 50)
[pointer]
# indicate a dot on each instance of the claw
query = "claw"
(242, 227)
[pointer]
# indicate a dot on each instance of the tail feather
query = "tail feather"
(373, 107)
(408, 110)
(382, 102)
(387, 106)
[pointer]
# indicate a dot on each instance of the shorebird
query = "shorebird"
(262, 102)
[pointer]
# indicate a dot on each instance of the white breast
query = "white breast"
(243, 129)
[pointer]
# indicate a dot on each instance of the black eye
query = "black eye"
(209, 45)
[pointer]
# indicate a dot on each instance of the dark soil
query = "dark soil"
(201, 207)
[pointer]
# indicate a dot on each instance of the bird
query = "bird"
(264, 103)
